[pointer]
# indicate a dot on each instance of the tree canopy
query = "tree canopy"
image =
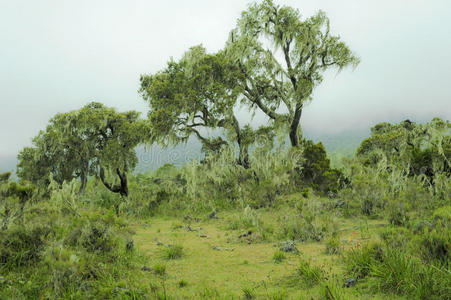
(194, 95)
(417, 149)
(92, 141)
(282, 59)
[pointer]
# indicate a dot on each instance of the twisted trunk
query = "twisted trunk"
(294, 138)
(243, 156)
(121, 188)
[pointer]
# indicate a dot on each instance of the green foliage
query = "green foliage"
(182, 283)
(14, 197)
(332, 290)
(160, 269)
(359, 261)
(94, 140)
(278, 257)
(269, 85)
(173, 252)
(248, 293)
(315, 168)
(333, 245)
(307, 224)
(309, 275)
(63, 251)
(416, 149)
(401, 274)
(22, 246)
(396, 237)
(397, 213)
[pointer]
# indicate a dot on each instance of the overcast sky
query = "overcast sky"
(58, 55)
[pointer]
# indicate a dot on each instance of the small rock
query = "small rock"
(289, 246)
(216, 248)
(146, 269)
(212, 215)
(159, 243)
(249, 233)
(350, 282)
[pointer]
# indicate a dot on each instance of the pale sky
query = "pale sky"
(58, 55)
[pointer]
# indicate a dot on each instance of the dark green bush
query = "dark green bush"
(22, 246)
(396, 237)
(358, 261)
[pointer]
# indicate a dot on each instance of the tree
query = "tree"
(93, 141)
(196, 94)
(13, 198)
(416, 149)
(307, 50)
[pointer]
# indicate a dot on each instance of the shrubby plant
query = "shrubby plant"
(66, 248)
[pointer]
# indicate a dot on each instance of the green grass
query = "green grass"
(218, 264)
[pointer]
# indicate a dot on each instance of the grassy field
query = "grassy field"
(216, 263)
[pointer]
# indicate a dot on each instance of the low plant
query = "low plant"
(310, 275)
(358, 261)
(278, 257)
(173, 252)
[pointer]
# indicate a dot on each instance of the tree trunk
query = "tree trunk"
(84, 180)
(243, 156)
(122, 188)
(294, 139)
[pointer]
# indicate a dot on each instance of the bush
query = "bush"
(63, 250)
(173, 252)
(278, 257)
(402, 274)
(396, 237)
(304, 227)
(397, 214)
(310, 275)
(358, 261)
(22, 246)
(333, 245)
(435, 245)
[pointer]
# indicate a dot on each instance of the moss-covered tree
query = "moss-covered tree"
(282, 58)
(194, 95)
(93, 141)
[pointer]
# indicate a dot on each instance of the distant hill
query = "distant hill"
(151, 158)
(338, 145)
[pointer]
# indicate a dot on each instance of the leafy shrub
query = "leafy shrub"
(397, 214)
(250, 220)
(304, 227)
(173, 252)
(22, 246)
(333, 245)
(315, 168)
(63, 250)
